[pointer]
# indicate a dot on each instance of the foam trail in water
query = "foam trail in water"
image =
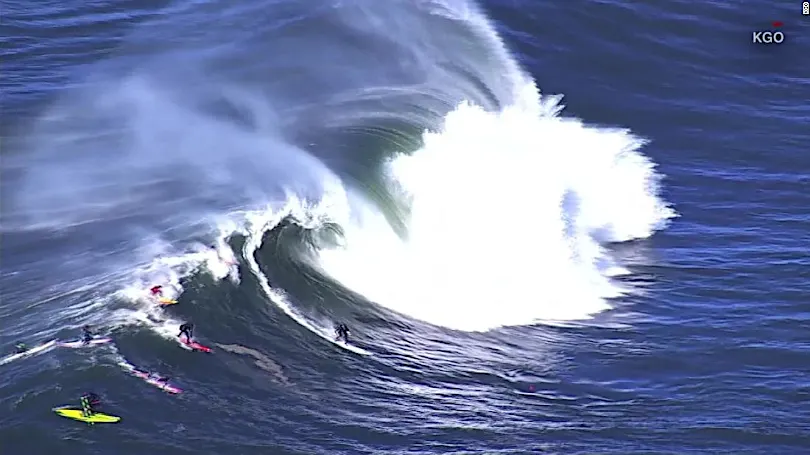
(260, 360)
(510, 212)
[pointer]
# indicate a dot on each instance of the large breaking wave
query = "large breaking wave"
(426, 172)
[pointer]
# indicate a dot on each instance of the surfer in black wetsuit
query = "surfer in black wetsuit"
(89, 401)
(342, 332)
(87, 335)
(20, 348)
(186, 329)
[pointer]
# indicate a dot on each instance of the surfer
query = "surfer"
(20, 348)
(87, 335)
(89, 400)
(157, 291)
(158, 378)
(342, 331)
(186, 329)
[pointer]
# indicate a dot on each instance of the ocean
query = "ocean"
(551, 227)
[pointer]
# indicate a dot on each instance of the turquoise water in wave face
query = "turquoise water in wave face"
(136, 135)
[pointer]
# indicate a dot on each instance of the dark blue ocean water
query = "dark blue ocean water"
(622, 270)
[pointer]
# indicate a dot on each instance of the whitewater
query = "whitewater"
(511, 217)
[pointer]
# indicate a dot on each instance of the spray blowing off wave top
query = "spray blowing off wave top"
(180, 129)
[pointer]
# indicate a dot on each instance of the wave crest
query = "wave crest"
(510, 216)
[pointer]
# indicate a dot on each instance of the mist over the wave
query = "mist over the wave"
(134, 149)
(183, 122)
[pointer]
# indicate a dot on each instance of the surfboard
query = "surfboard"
(197, 346)
(82, 344)
(349, 346)
(166, 301)
(162, 385)
(28, 353)
(76, 414)
(325, 334)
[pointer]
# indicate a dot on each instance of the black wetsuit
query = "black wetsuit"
(187, 330)
(342, 332)
(87, 335)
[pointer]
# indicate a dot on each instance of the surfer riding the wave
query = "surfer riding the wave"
(342, 332)
(157, 291)
(186, 329)
(20, 348)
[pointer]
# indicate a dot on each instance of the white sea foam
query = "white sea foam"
(510, 214)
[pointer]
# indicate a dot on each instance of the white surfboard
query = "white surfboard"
(348, 346)
(28, 353)
(82, 344)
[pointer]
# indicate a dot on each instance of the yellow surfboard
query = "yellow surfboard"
(166, 301)
(76, 414)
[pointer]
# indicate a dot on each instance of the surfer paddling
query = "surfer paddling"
(158, 378)
(87, 335)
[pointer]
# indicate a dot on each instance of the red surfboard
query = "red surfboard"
(197, 346)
